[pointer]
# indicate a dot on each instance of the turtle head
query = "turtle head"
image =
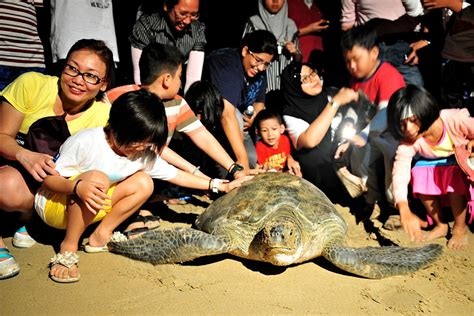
(278, 242)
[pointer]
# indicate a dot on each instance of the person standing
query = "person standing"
(21, 49)
(73, 20)
(176, 24)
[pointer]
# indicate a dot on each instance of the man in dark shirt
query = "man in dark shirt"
(240, 76)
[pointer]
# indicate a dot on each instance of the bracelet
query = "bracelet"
(196, 170)
(234, 168)
(75, 186)
(210, 185)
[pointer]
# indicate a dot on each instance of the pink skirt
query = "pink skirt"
(439, 177)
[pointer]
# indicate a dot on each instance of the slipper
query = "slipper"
(8, 268)
(91, 249)
(67, 259)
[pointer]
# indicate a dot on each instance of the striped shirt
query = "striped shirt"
(276, 67)
(20, 44)
(178, 113)
(153, 28)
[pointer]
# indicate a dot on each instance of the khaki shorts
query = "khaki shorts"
(52, 207)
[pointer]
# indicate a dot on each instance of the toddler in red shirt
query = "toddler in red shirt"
(274, 148)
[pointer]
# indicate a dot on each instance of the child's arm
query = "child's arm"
(90, 192)
(188, 180)
(401, 178)
(293, 166)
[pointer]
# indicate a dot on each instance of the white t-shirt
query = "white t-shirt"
(88, 150)
(76, 19)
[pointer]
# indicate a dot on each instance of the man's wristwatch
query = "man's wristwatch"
(234, 168)
(334, 105)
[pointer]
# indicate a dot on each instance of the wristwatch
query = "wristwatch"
(234, 168)
(334, 105)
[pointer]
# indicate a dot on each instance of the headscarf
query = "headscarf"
(278, 24)
(296, 102)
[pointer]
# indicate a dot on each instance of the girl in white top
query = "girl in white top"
(105, 175)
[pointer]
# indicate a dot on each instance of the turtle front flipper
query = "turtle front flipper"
(382, 262)
(170, 245)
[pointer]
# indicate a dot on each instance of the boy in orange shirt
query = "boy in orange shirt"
(274, 149)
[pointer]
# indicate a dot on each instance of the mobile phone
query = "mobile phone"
(324, 23)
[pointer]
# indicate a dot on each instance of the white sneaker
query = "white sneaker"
(21, 239)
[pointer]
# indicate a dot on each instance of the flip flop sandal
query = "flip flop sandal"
(145, 219)
(136, 231)
(95, 249)
(67, 259)
(9, 267)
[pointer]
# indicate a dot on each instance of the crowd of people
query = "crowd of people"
(342, 95)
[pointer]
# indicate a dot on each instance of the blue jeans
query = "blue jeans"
(394, 54)
(9, 73)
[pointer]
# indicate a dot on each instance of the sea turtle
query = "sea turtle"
(276, 218)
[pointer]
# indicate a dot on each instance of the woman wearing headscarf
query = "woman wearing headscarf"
(273, 17)
(312, 116)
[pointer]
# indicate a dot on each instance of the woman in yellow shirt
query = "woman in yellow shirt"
(76, 98)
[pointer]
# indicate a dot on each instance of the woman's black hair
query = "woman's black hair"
(104, 53)
(204, 99)
(138, 116)
(421, 103)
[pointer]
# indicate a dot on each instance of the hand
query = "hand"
(92, 194)
(345, 95)
(341, 150)
(229, 186)
(411, 223)
(248, 121)
(294, 168)
(412, 57)
(291, 48)
(358, 141)
(319, 25)
(37, 164)
(455, 5)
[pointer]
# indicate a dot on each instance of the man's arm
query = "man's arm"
(209, 144)
(179, 162)
(233, 133)
(136, 54)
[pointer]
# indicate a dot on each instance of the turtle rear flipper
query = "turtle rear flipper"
(382, 262)
(170, 245)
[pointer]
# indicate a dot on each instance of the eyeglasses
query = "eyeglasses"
(259, 60)
(182, 16)
(87, 76)
(309, 78)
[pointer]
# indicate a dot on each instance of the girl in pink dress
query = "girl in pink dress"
(415, 119)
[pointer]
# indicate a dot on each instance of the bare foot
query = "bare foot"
(96, 239)
(458, 240)
(440, 230)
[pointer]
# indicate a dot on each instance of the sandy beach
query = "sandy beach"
(114, 285)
